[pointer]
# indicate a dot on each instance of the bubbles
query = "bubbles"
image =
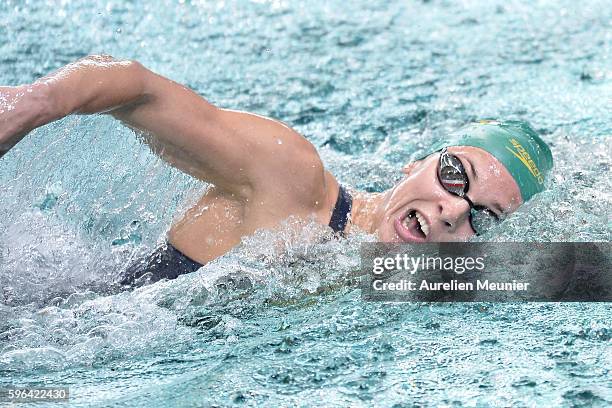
(277, 321)
(575, 205)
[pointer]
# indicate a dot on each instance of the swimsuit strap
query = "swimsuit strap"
(341, 212)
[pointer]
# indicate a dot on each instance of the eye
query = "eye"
(452, 180)
(452, 175)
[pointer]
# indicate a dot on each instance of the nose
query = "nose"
(454, 211)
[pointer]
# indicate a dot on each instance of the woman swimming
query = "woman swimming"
(263, 172)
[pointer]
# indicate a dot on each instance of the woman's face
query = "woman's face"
(420, 209)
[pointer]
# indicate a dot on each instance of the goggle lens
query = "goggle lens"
(454, 179)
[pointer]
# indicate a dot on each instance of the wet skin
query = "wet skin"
(261, 171)
(446, 215)
(218, 221)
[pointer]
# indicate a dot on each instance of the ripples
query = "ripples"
(372, 88)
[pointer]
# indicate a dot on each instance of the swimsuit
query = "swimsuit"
(167, 262)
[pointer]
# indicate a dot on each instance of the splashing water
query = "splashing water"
(284, 324)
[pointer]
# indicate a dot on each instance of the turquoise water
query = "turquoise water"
(371, 86)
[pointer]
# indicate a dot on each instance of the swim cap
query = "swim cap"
(515, 144)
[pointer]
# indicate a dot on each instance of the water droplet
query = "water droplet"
(280, 142)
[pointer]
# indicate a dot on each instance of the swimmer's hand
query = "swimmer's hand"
(22, 109)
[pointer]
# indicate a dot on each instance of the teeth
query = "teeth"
(420, 219)
(406, 221)
(422, 223)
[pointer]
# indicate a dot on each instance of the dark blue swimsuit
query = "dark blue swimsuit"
(167, 262)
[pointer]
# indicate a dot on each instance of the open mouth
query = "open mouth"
(413, 227)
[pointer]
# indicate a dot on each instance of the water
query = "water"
(371, 86)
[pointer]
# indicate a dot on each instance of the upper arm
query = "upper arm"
(236, 151)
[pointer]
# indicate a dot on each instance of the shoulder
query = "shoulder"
(296, 169)
(274, 160)
(279, 159)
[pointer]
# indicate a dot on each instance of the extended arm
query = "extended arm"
(236, 151)
(91, 85)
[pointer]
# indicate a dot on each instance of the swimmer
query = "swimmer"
(263, 172)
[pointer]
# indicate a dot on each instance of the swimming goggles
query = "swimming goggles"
(454, 179)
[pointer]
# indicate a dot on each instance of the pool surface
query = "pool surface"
(372, 85)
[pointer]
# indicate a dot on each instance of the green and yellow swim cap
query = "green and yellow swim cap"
(515, 144)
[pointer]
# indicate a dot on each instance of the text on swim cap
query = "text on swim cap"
(525, 158)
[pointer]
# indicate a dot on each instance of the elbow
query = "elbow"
(119, 67)
(109, 85)
(108, 61)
